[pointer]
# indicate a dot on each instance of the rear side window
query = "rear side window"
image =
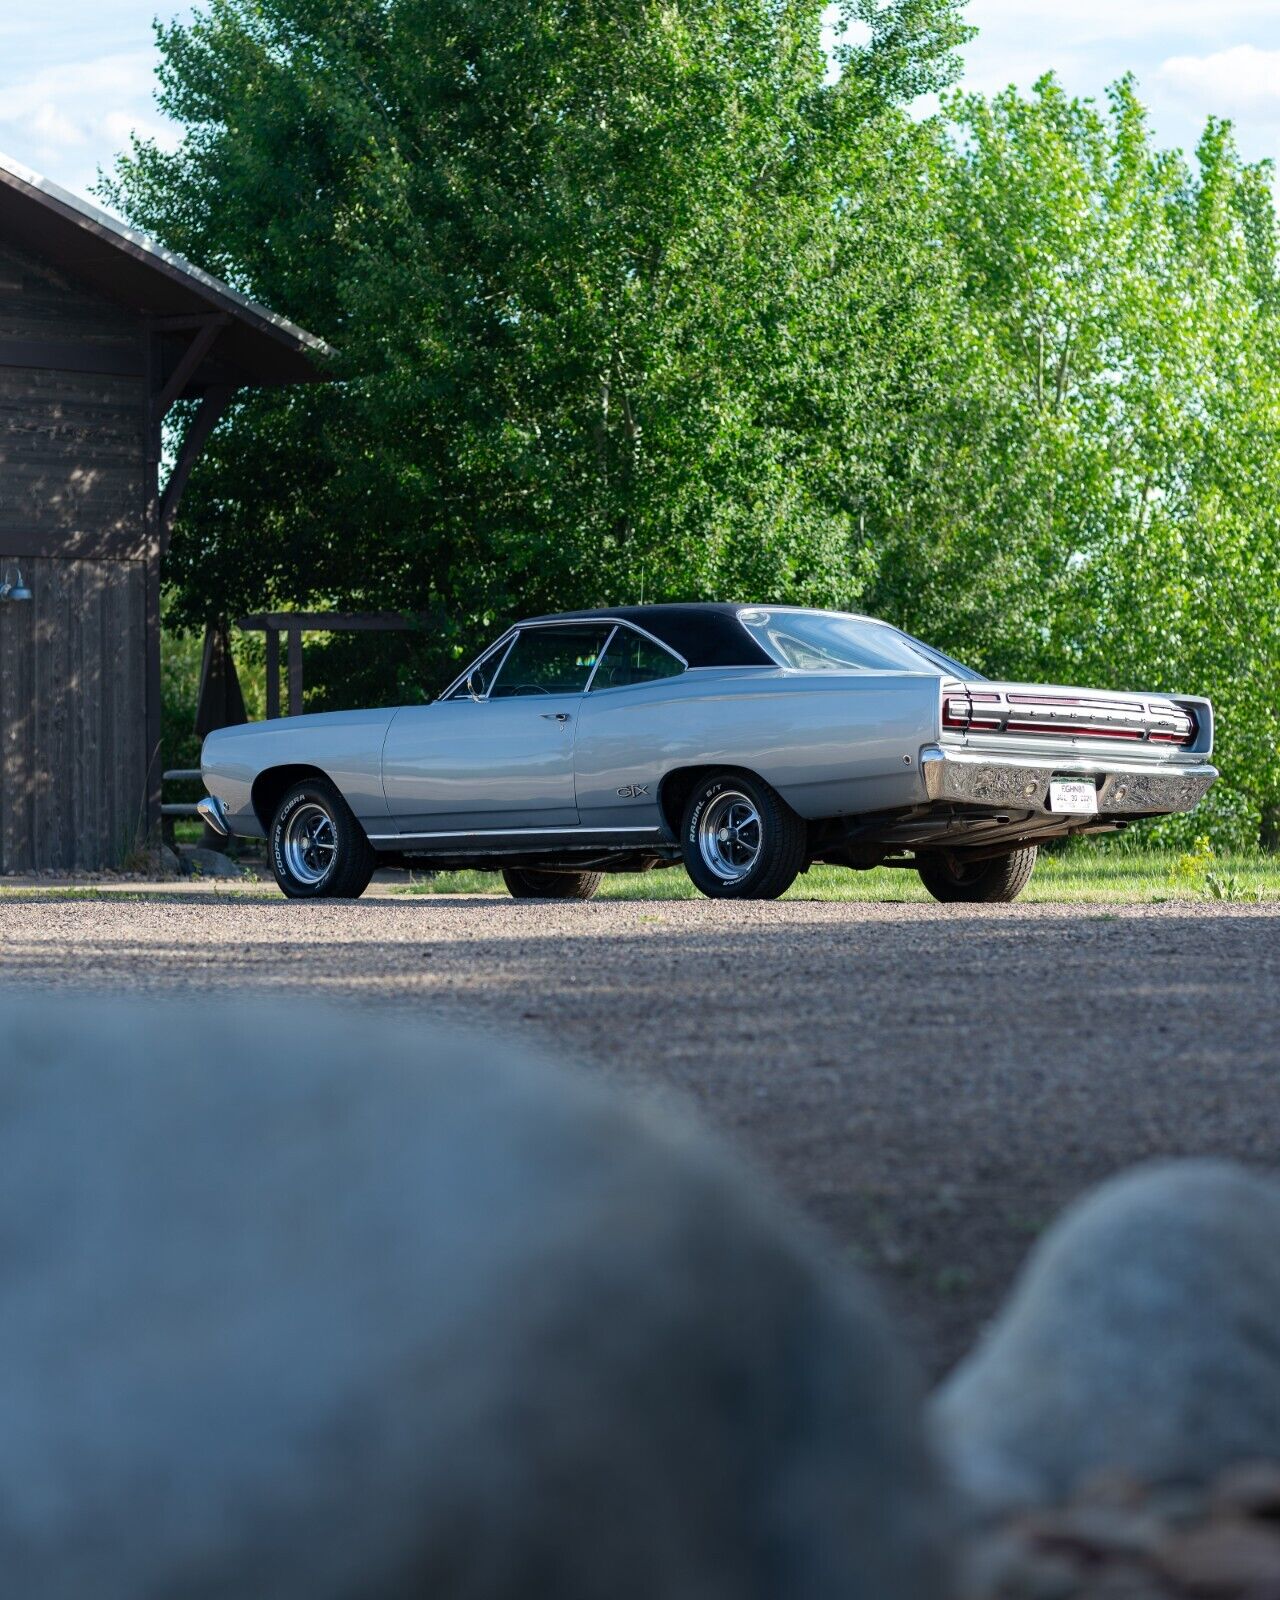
(549, 661)
(631, 658)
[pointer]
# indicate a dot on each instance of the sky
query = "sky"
(76, 75)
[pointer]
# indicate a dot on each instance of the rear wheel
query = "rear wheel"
(318, 849)
(527, 883)
(741, 840)
(979, 882)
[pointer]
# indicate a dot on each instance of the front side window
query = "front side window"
(479, 678)
(824, 641)
(550, 661)
(631, 658)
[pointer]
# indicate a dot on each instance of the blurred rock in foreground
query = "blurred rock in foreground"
(303, 1304)
(1143, 1336)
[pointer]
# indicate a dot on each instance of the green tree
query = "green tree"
(585, 267)
(1093, 494)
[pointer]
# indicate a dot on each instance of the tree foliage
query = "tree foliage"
(1096, 496)
(646, 301)
(581, 265)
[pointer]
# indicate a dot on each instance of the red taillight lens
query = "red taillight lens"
(958, 710)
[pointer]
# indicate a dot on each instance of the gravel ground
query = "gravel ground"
(931, 1082)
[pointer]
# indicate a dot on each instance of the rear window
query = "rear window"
(825, 641)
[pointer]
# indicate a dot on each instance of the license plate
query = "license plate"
(1069, 794)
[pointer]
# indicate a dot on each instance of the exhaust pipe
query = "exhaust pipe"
(210, 811)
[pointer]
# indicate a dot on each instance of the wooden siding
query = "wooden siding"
(72, 443)
(73, 715)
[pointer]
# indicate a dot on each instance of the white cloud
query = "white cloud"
(67, 118)
(1242, 82)
(52, 127)
(1091, 22)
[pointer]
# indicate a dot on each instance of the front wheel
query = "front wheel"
(527, 883)
(318, 849)
(978, 882)
(741, 840)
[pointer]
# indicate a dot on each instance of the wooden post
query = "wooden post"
(150, 813)
(295, 672)
(273, 672)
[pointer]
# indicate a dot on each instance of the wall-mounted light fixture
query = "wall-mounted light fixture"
(14, 588)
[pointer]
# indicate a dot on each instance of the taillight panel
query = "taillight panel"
(1068, 716)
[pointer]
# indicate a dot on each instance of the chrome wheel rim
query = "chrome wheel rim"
(309, 844)
(730, 835)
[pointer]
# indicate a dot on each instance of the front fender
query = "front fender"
(346, 746)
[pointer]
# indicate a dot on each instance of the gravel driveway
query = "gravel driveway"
(931, 1082)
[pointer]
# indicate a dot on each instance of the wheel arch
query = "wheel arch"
(678, 784)
(273, 783)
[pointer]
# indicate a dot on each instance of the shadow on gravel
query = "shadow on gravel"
(933, 1088)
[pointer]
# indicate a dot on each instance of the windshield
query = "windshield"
(826, 641)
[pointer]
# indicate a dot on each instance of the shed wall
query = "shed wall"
(73, 716)
(73, 662)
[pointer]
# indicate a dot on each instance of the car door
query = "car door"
(636, 709)
(497, 754)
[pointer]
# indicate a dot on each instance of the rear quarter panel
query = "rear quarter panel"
(344, 745)
(831, 744)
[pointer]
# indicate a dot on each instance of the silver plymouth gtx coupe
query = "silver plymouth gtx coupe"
(747, 742)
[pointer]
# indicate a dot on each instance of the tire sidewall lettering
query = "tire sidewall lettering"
(278, 832)
(708, 794)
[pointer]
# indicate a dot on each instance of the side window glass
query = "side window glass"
(550, 661)
(631, 658)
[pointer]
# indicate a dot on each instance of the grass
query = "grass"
(1078, 876)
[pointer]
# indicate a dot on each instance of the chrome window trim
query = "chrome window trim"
(508, 638)
(595, 665)
(653, 639)
(644, 633)
(503, 642)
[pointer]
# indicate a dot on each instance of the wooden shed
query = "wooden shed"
(101, 332)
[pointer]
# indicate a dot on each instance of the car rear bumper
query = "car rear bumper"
(980, 778)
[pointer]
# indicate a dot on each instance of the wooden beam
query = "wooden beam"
(154, 782)
(184, 324)
(189, 364)
(74, 355)
(273, 673)
(335, 621)
(74, 544)
(295, 672)
(213, 405)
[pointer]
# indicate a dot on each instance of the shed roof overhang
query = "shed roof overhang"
(255, 346)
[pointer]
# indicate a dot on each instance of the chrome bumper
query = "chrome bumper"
(1012, 783)
(210, 810)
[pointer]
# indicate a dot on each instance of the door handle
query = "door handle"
(554, 716)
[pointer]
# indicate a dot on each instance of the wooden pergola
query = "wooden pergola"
(293, 624)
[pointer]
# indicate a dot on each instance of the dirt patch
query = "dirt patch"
(931, 1082)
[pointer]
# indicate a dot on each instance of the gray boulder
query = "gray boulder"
(303, 1304)
(198, 862)
(1143, 1335)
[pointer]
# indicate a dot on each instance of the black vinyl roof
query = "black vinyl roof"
(705, 634)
